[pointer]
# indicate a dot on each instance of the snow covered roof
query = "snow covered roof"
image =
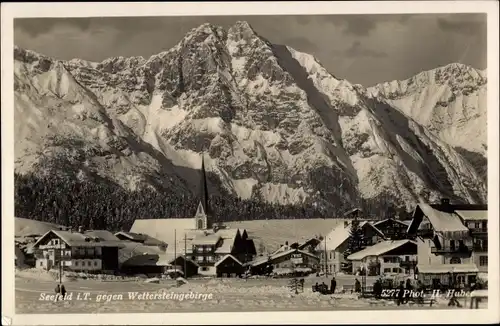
(477, 215)
(226, 247)
(102, 235)
(229, 233)
(210, 239)
(379, 249)
(264, 259)
(226, 257)
(171, 258)
(81, 240)
(167, 230)
(448, 224)
(447, 268)
(146, 260)
(281, 249)
(312, 241)
(144, 238)
(340, 234)
(180, 233)
(131, 249)
(406, 223)
(335, 238)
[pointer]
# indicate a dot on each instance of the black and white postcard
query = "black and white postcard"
(265, 162)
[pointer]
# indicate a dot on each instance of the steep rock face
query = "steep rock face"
(275, 125)
(450, 101)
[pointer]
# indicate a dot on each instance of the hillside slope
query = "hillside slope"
(450, 101)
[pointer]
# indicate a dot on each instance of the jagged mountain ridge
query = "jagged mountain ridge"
(275, 124)
(450, 101)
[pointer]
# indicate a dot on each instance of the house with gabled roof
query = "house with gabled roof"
(152, 261)
(286, 262)
(388, 256)
(229, 266)
(95, 250)
(331, 249)
(452, 242)
(392, 228)
(200, 238)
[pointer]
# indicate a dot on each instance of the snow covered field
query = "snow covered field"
(216, 295)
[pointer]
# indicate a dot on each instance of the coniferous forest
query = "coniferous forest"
(106, 205)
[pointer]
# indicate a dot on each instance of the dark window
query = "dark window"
(483, 261)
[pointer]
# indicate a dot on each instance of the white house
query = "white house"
(391, 256)
(331, 249)
(449, 243)
(77, 251)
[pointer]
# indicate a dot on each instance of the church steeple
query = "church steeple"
(203, 187)
(203, 211)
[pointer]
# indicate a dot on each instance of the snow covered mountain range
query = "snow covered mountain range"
(273, 122)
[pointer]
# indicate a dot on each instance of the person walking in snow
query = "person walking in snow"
(63, 291)
(357, 286)
(58, 291)
(377, 289)
(333, 285)
(401, 291)
(409, 287)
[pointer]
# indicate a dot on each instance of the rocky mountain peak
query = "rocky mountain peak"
(242, 30)
(205, 33)
(458, 75)
(277, 125)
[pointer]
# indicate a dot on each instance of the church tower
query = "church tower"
(203, 211)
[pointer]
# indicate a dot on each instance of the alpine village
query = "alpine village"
(442, 246)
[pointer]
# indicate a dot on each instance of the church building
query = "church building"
(201, 238)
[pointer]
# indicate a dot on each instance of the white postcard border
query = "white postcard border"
(10, 11)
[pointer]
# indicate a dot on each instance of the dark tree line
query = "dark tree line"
(106, 205)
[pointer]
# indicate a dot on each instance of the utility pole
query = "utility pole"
(326, 258)
(175, 250)
(185, 256)
(60, 261)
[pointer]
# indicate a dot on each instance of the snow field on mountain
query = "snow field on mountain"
(265, 113)
(323, 80)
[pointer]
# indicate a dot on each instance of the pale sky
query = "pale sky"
(364, 49)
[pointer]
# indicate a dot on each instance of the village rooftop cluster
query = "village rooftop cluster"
(442, 245)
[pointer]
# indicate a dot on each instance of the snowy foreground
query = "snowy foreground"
(199, 295)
